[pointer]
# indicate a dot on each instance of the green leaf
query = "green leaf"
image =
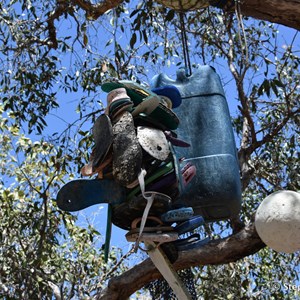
(132, 40)
(170, 15)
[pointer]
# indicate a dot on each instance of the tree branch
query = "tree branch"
(282, 12)
(230, 249)
(269, 137)
(94, 11)
(277, 11)
(61, 8)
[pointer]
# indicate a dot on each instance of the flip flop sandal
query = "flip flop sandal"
(162, 170)
(127, 152)
(116, 95)
(185, 167)
(159, 238)
(105, 169)
(137, 94)
(154, 142)
(169, 249)
(118, 103)
(189, 245)
(135, 91)
(144, 120)
(171, 92)
(165, 116)
(137, 221)
(188, 173)
(176, 162)
(118, 111)
(103, 137)
(161, 203)
(175, 141)
(166, 102)
(159, 229)
(152, 165)
(167, 185)
(87, 170)
(147, 106)
(115, 98)
(189, 225)
(101, 169)
(191, 239)
(153, 229)
(123, 214)
(177, 215)
(162, 182)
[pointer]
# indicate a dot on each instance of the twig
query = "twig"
(112, 270)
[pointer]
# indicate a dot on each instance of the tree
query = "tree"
(43, 251)
(284, 13)
(134, 41)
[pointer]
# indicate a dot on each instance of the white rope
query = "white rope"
(147, 208)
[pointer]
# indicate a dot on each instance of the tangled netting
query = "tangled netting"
(160, 289)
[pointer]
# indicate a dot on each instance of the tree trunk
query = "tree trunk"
(230, 249)
(285, 12)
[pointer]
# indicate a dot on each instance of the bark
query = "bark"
(230, 249)
(277, 11)
(285, 12)
(94, 11)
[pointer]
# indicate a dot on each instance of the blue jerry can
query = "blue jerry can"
(215, 191)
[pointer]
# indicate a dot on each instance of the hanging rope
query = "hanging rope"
(185, 45)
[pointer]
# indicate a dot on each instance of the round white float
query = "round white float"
(277, 221)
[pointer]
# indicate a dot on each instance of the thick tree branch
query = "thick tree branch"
(230, 249)
(277, 11)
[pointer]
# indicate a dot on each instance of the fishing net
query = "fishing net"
(160, 289)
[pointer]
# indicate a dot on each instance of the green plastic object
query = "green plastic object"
(138, 94)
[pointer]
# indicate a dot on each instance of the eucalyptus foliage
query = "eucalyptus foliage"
(52, 52)
(43, 251)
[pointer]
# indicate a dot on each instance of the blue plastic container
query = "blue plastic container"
(215, 191)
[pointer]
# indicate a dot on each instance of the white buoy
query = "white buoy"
(277, 221)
